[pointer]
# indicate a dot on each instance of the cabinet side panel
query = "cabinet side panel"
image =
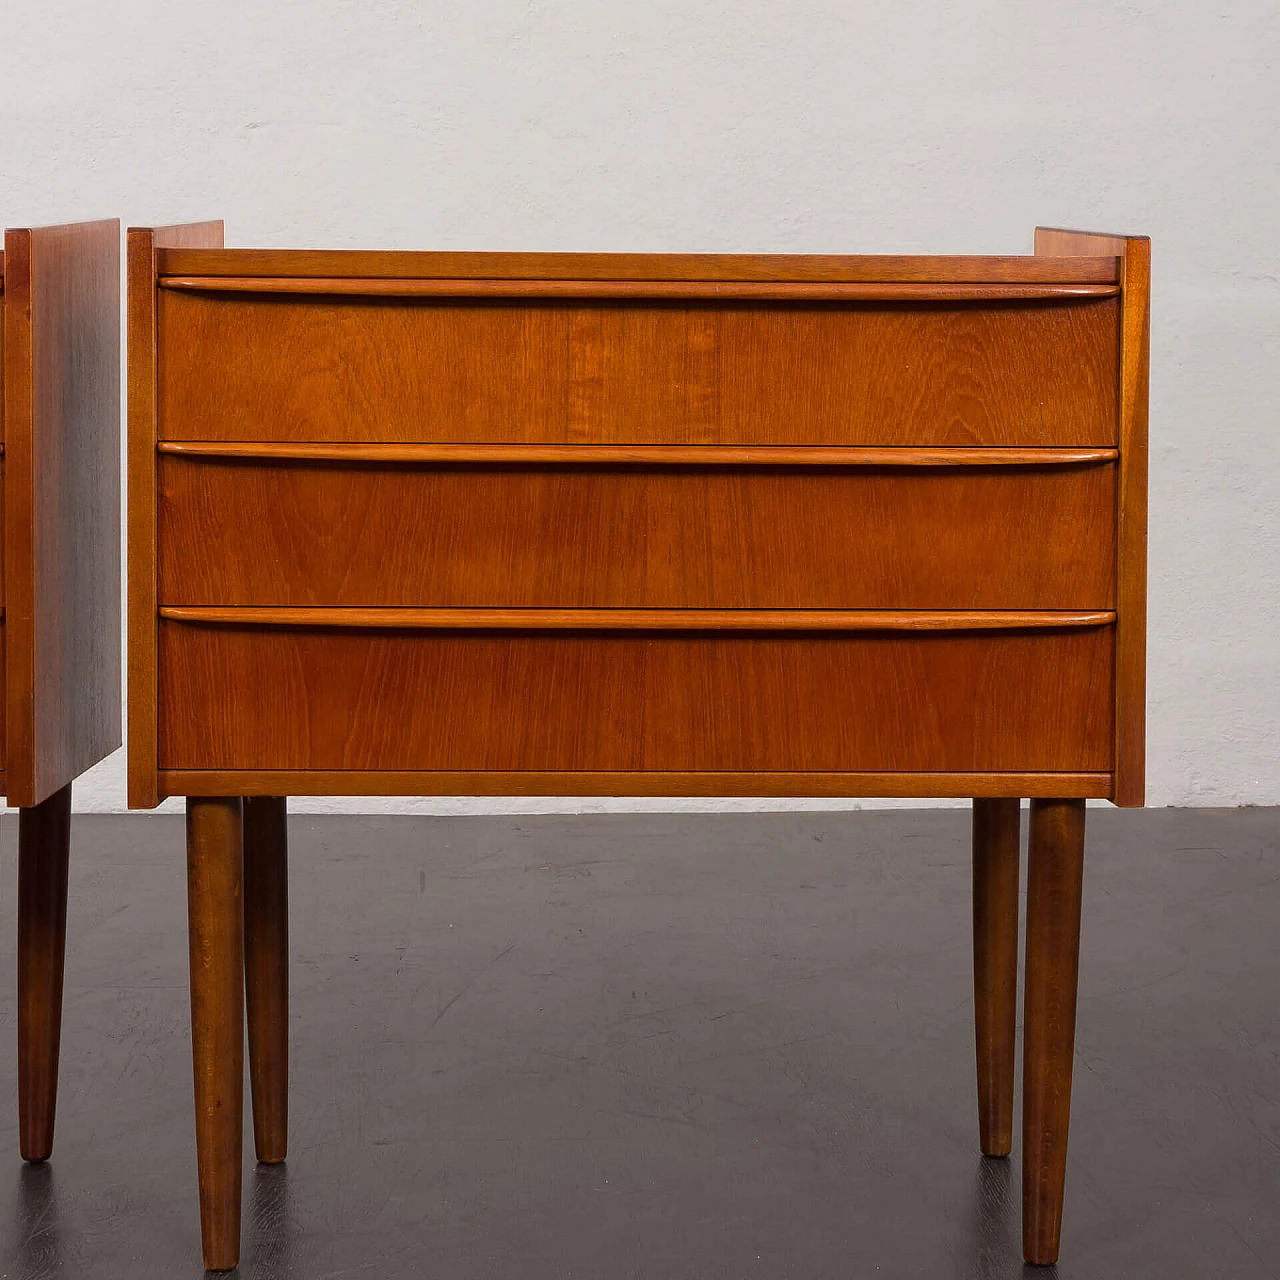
(1131, 562)
(1134, 255)
(62, 466)
(143, 244)
(2, 539)
(143, 792)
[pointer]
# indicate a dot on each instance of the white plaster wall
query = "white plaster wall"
(917, 126)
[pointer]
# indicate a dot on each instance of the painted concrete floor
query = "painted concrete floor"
(732, 1046)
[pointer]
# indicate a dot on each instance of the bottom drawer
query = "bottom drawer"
(297, 698)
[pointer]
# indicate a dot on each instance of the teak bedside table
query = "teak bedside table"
(441, 523)
(60, 713)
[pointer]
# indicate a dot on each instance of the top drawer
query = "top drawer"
(323, 368)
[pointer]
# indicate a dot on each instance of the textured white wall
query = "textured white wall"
(752, 126)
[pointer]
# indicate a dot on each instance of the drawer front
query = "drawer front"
(251, 697)
(316, 368)
(250, 532)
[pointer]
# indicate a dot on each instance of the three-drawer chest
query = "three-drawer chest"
(504, 524)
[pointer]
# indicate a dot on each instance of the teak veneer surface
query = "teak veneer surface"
(257, 532)
(245, 367)
(367, 700)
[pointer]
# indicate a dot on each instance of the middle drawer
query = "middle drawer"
(294, 532)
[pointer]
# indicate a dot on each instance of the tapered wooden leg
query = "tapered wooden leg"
(995, 967)
(266, 971)
(44, 846)
(1055, 864)
(215, 866)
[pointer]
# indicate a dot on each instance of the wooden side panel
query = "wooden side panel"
(247, 367)
(1131, 551)
(3, 689)
(1058, 243)
(248, 532)
(143, 245)
(2, 311)
(4, 685)
(234, 697)
(62, 509)
(1134, 253)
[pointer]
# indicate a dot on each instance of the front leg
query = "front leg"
(1055, 866)
(44, 845)
(215, 871)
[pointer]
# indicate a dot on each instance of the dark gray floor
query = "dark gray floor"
(665, 1046)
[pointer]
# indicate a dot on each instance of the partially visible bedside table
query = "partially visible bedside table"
(60, 712)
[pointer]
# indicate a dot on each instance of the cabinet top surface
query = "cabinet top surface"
(818, 268)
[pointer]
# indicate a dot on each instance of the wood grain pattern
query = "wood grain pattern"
(242, 367)
(720, 290)
(62, 503)
(648, 455)
(255, 533)
(44, 845)
(368, 700)
(1055, 870)
(995, 967)
(143, 243)
(215, 922)
(874, 268)
(1134, 253)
